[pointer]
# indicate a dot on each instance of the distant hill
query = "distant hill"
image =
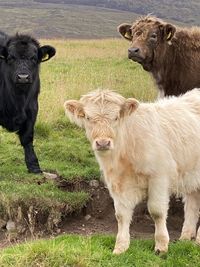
(91, 19)
(183, 11)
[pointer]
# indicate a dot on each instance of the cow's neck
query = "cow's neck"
(129, 146)
(109, 163)
(172, 69)
(14, 101)
(19, 94)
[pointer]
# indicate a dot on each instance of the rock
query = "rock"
(50, 176)
(88, 217)
(94, 183)
(10, 226)
(58, 231)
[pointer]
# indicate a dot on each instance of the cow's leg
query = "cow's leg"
(198, 236)
(123, 215)
(26, 138)
(191, 214)
(158, 199)
(31, 159)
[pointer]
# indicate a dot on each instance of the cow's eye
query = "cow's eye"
(11, 58)
(153, 36)
(117, 118)
(87, 118)
(138, 33)
(33, 59)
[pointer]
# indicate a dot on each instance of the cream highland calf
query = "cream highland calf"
(146, 151)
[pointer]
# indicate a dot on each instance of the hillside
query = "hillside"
(182, 11)
(90, 20)
(60, 20)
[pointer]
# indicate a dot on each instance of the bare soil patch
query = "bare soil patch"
(98, 217)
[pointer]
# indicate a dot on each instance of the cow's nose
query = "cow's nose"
(23, 78)
(103, 144)
(133, 51)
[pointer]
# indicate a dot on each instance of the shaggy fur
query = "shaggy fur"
(146, 151)
(171, 54)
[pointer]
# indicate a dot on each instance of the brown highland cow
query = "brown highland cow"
(170, 53)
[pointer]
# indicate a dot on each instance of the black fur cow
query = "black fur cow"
(20, 58)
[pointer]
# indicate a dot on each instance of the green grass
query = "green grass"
(72, 250)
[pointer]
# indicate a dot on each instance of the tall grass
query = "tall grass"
(82, 66)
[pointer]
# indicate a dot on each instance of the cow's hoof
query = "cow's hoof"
(161, 249)
(161, 254)
(120, 249)
(187, 236)
(117, 251)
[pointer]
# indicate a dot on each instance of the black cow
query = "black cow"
(20, 58)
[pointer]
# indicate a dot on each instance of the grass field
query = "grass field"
(79, 66)
(96, 251)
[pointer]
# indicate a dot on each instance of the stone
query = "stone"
(88, 217)
(11, 226)
(50, 176)
(94, 183)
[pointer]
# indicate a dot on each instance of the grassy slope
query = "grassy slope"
(79, 66)
(97, 251)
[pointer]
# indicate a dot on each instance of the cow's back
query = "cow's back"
(165, 136)
(180, 127)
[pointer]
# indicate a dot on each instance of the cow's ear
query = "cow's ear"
(130, 105)
(169, 31)
(74, 111)
(125, 30)
(46, 52)
(3, 52)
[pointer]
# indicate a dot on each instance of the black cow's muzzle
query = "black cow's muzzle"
(23, 78)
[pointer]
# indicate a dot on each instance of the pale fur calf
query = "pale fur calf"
(146, 151)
